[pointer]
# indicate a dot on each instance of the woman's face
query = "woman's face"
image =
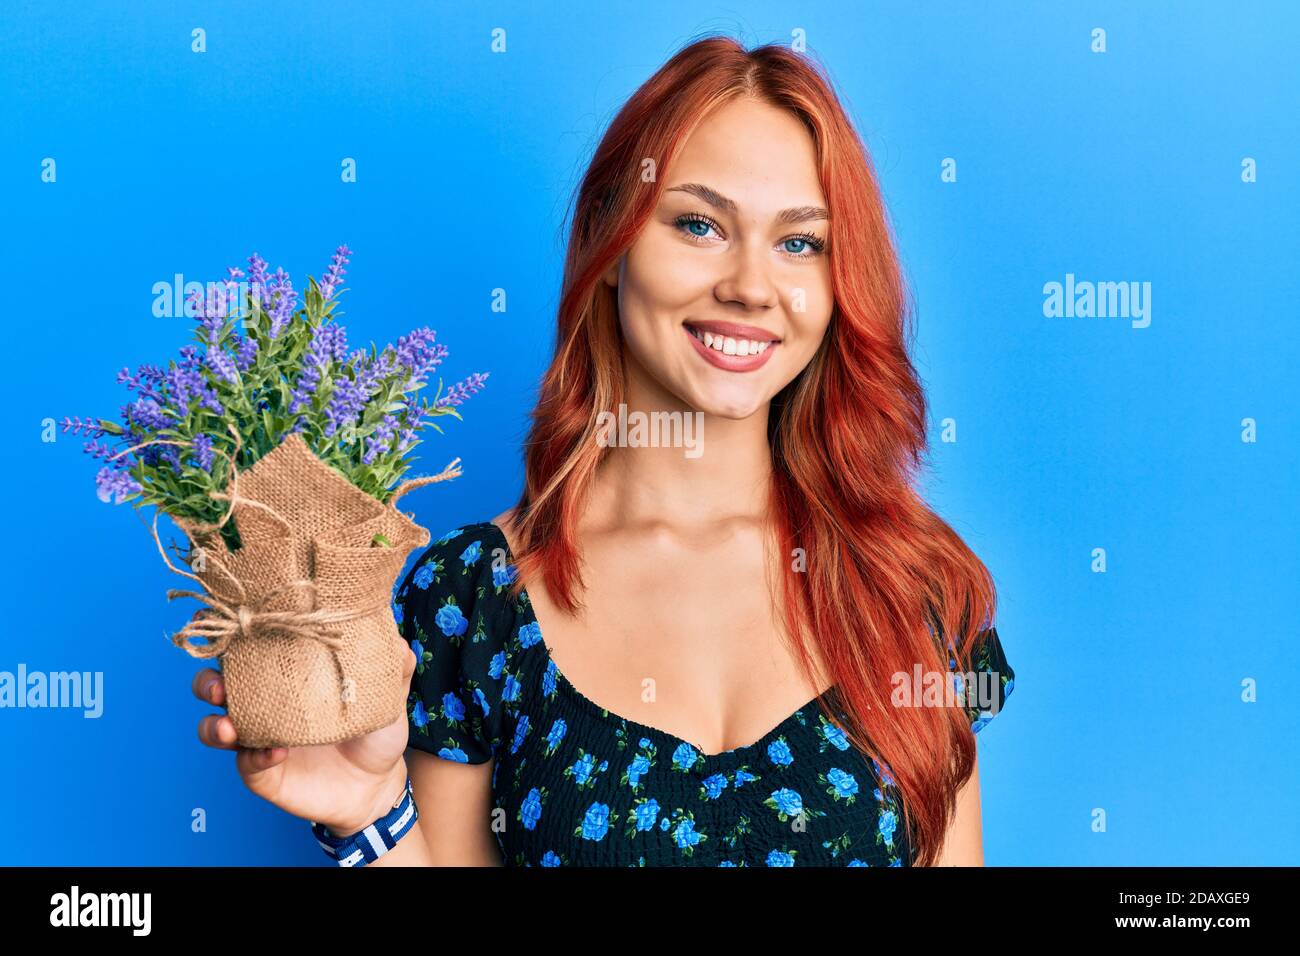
(725, 295)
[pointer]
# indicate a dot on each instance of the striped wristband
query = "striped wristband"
(366, 846)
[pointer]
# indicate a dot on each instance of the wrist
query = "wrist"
(387, 795)
(387, 826)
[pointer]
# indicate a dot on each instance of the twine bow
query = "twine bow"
(231, 617)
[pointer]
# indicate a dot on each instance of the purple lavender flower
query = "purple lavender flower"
(459, 392)
(203, 453)
(147, 413)
(90, 427)
(187, 384)
(410, 421)
(211, 310)
(285, 300)
(96, 449)
(351, 394)
(379, 441)
(345, 404)
(245, 354)
(257, 280)
(220, 362)
(170, 454)
(335, 272)
(145, 380)
(328, 343)
(419, 355)
(115, 483)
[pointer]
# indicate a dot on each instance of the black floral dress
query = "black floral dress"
(581, 786)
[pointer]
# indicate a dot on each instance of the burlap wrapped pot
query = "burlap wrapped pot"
(300, 615)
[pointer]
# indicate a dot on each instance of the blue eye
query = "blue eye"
(806, 241)
(698, 227)
(689, 222)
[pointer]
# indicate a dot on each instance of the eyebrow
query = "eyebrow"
(721, 202)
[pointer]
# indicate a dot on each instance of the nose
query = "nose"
(747, 279)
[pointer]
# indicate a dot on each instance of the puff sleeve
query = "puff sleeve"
(984, 689)
(450, 615)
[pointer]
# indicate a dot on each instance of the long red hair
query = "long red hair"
(888, 584)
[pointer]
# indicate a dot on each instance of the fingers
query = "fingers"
(209, 685)
(408, 661)
(252, 762)
(217, 730)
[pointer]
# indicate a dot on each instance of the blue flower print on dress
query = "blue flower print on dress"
(510, 692)
(422, 657)
(451, 752)
(641, 765)
(832, 734)
(450, 621)
(888, 823)
(453, 708)
(685, 757)
(530, 811)
(521, 733)
(596, 822)
(450, 536)
(644, 816)
(469, 557)
(423, 576)
(502, 578)
(786, 802)
(555, 735)
(681, 827)
(529, 634)
(781, 858)
(778, 751)
(712, 786)
(743, 776)
(839, 784)
(584, 770)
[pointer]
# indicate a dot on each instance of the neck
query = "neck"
(724, 476)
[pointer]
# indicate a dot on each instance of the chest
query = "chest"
(687, 638)
(575, 786)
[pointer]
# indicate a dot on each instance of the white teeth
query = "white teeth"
(727, 345)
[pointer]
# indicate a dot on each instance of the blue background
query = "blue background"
(1073, 434)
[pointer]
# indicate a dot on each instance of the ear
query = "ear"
(610, 275)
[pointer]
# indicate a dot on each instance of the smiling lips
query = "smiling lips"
(732, 346)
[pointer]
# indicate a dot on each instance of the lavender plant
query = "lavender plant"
(274, 370)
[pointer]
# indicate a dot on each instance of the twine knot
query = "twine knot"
(245, 621)
(222, 623)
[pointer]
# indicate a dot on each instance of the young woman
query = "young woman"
(740, 646)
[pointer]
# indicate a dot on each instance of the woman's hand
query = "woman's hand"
(346, 785)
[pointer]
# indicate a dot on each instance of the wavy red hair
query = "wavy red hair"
(885, 577)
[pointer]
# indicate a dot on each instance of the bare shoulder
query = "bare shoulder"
(505, 521)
